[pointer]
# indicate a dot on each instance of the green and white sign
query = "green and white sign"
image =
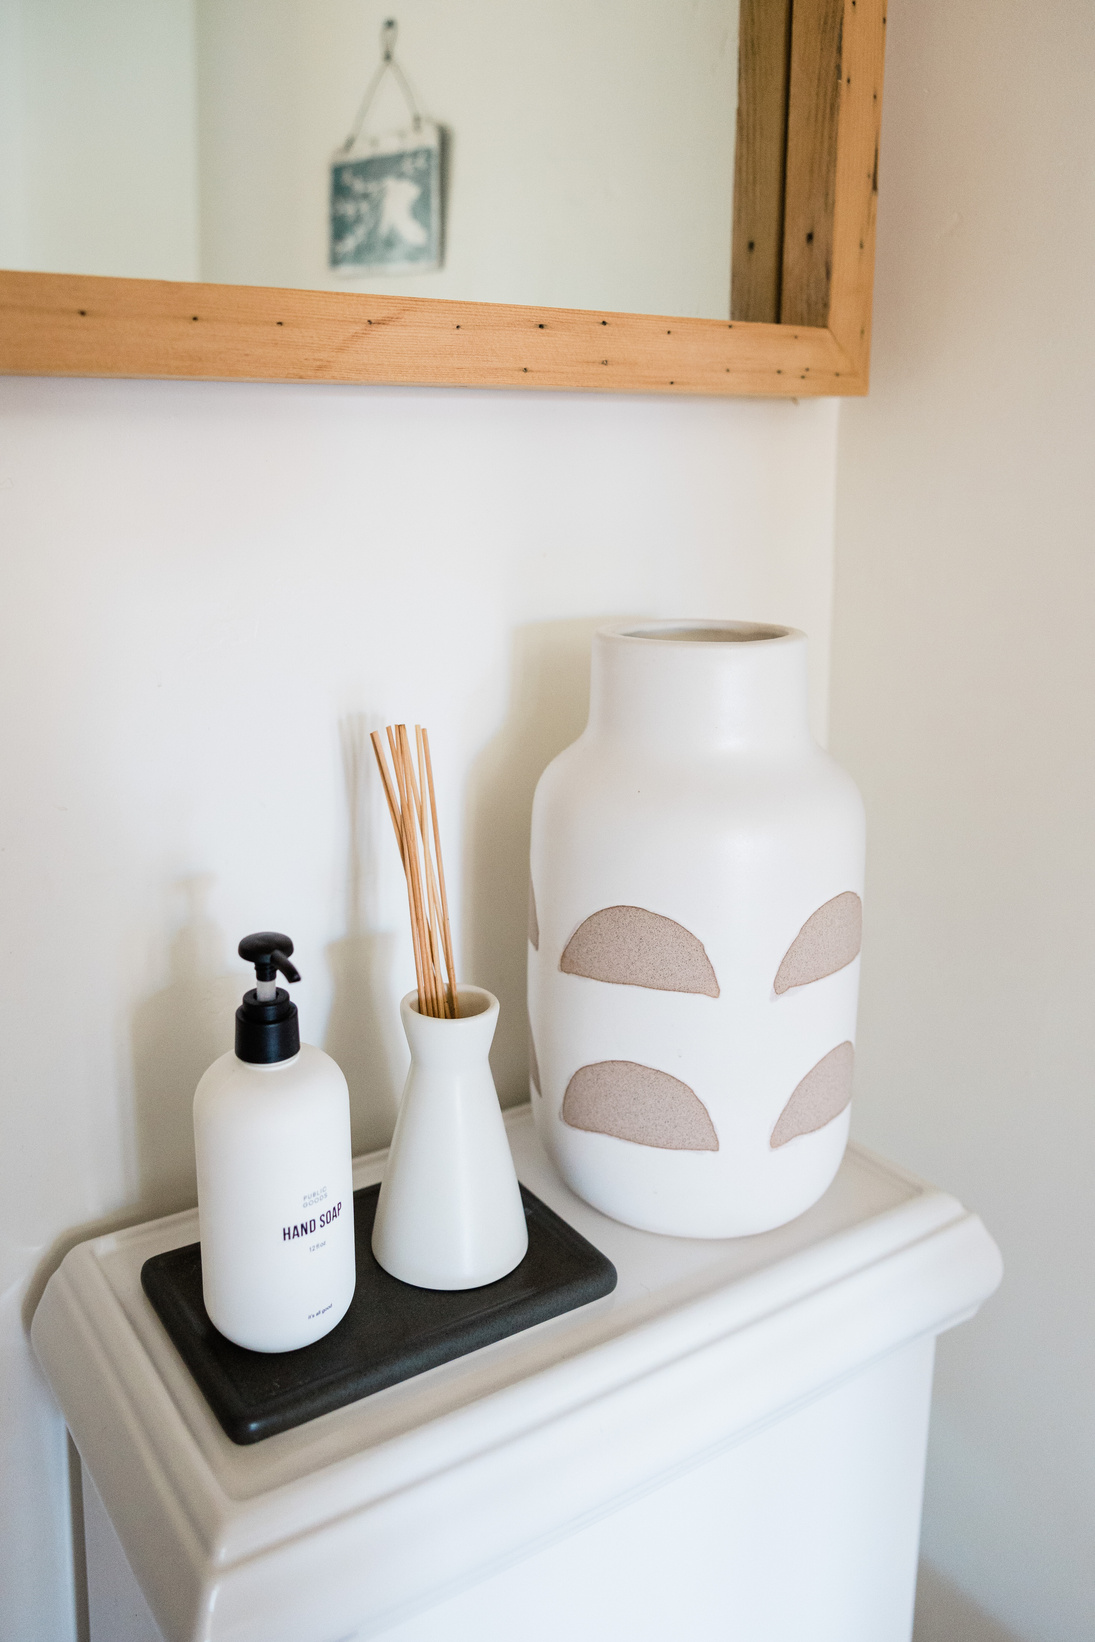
(386, 203)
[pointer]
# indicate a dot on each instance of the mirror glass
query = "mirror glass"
(584, 152)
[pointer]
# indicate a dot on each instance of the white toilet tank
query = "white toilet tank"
(731, 1445)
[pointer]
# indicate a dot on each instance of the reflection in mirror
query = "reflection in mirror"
(590, 148)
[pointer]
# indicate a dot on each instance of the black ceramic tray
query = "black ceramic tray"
(391, 1331)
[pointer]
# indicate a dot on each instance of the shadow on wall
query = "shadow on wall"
(944, 1613)
(176, 1034)
(549, 706)
(362, 1028)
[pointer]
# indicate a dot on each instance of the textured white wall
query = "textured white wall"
(209, 593)
(964, 704)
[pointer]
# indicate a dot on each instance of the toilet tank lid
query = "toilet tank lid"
(700, 1343)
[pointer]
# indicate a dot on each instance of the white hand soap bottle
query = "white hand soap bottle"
(275, 1182)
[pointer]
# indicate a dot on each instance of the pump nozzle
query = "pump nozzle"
(269, 952)
(266, 1021)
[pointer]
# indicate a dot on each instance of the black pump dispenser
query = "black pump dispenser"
(267, 1028)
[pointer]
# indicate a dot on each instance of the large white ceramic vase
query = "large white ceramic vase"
(694, 931)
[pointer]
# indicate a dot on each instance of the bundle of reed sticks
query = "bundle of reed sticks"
(408, 787)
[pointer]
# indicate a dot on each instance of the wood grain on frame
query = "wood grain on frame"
(82, 325)
(810, 190)
(863, 57)
(764, 44)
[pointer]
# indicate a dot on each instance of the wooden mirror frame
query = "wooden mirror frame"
(820, 258)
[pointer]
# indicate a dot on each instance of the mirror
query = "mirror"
(637, 157)
(588, 157)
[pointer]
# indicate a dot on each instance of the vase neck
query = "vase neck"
(699, 686)
(456, 1045)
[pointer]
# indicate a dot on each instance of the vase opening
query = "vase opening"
(470, 1000)
(731, 632)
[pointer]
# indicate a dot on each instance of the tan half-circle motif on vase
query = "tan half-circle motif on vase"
(820, 1097)
(638, 1103)
(630, 946)
(829, 940)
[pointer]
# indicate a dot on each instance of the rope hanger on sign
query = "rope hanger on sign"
(389, 34)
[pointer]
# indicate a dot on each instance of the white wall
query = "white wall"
(98, 137)
(964, 704)
(209, 593)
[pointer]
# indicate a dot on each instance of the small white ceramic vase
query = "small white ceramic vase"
(450, 1215)
(694, 928)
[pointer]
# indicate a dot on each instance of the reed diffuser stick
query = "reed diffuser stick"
(412, 805)
(411, 866)
(445, 930)
(422, 804)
